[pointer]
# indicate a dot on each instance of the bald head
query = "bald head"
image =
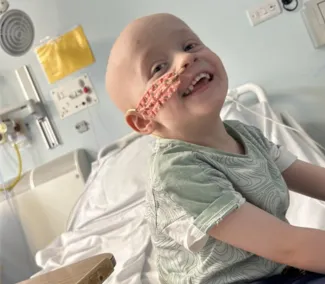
(125, 77)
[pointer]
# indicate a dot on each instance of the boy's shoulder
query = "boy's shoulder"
(243, 128)
(169, 155)
(250, 132)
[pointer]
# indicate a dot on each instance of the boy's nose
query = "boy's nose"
(189, 60)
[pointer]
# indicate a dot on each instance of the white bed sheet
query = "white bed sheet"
(109, 217)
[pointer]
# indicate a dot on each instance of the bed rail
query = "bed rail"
(248, 88)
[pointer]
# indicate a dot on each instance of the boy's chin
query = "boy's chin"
(209, 109)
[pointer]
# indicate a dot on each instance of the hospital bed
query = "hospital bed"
(109, 214)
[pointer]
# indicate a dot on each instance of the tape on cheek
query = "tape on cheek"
(158, 94)
(165, 96)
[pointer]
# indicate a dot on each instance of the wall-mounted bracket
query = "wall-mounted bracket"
(35, 107)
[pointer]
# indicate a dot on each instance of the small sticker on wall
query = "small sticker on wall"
(82, 126)
(64, 55)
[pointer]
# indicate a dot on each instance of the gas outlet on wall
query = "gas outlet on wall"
(74, 96)
(266, 11)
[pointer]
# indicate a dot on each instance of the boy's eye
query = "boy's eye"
(158, 68)
(189, 47)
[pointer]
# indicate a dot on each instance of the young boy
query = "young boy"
(218, 190)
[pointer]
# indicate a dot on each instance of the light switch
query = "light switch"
(263, 12)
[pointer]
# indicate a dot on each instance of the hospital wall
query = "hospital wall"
(278, 55)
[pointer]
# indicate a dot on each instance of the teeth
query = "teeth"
(199, 77)
(194, 82)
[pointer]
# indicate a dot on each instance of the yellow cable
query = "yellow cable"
(20, 170)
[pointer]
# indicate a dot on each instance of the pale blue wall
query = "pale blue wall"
(278, 55)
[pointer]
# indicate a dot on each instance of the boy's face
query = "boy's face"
(166, 45)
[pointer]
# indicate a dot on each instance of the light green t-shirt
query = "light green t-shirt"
(192, 188)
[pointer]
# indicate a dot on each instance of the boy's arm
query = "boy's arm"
(306, 179)
(256, 231)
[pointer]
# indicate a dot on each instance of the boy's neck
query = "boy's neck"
(213, 136)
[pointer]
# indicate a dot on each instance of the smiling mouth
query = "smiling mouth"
(199, 81)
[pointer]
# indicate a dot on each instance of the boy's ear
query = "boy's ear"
(139, 123)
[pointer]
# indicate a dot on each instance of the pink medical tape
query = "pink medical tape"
(158, 94)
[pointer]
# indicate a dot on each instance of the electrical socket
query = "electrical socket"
(266, 11)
